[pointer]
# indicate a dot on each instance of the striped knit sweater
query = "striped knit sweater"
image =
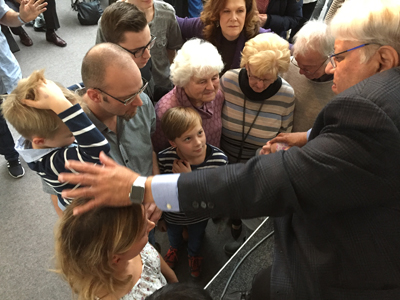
(49, 163)
(214, 158)
(276, 116)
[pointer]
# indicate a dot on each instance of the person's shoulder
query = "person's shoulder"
(167, 101)
(286, 87)
(164, 8)
(167, 152)
(217, 155)
(232, 73)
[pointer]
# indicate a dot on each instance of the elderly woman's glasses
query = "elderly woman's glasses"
(130, 98)
(254, 78)
(333, 55)
(139, 52)
(308, 72)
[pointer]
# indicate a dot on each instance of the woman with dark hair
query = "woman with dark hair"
(227, 24)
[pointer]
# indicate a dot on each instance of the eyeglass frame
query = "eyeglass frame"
(142, 49)
(331, 56)
(264, 81)
(306, 71)
(131, 98)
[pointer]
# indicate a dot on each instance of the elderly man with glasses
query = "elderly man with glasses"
(306, 74)
(336, 200)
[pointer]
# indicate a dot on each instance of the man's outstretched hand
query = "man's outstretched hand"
(108, 184)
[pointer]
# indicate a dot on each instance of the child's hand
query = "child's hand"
(181, 166)
(49, 96)
(266, 149)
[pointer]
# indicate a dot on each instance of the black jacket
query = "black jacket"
(283, 15)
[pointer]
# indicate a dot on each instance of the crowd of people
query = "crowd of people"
(218, 115)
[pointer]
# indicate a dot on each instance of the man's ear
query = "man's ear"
(38, 141)
(94, 95)
(172, 143)
(388, 58)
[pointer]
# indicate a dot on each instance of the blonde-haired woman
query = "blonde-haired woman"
(259, 104)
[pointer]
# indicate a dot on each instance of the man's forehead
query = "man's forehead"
(134, 40)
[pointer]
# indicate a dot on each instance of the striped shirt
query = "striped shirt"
(49, 163)
(214, 158)
(276, 116)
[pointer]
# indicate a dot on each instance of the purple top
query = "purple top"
(210, 113)
(193, 27)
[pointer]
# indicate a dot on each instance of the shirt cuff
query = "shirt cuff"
(308, 133)
(165, 192)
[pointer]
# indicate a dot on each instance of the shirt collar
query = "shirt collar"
(207, 109)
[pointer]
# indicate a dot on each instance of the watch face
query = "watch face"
(137, 190)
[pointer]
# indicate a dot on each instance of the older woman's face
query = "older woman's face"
(232, 18)
(202, 89)
(259, 84)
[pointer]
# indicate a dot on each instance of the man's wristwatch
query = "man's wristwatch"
(137, 190)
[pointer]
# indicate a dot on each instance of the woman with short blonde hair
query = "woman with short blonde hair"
(259, 104)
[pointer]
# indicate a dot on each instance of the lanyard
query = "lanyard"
(244, 137)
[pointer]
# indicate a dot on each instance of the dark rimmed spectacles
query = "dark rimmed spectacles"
(294, 62)
(139, 51)
(130, 98)
(333, 55)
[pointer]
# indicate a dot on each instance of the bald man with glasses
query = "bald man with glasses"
(115, 103)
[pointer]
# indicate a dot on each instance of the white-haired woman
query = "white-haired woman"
(259, 104)
(195, 74)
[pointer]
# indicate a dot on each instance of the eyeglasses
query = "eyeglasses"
(333, 55)
(294, 62)
(139, 52)
(251, 77)
(131, 98)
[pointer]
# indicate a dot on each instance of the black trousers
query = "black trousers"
(6, 141)
(261, 285)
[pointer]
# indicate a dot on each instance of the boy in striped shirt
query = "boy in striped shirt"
(188, 152)
(50, 120)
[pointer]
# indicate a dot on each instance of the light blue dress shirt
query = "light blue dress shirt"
(165, 192)
(10, 72)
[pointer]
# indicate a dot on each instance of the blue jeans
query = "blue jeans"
(6, 141)
(152, 238)
(195, 232)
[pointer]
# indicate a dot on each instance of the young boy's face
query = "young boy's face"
(62, 138)
(192, 143)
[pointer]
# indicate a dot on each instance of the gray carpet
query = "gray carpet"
(27, 217)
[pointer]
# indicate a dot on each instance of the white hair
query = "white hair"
(314, 36)
(196, 58)
(368, 21)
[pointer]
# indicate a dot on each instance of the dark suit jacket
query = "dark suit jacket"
(336, 201)
(283, 15)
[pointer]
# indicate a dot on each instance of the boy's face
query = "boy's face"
(192, 143)
(62, 138)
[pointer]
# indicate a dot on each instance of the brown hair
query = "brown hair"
(119, 18)
(30, 121)
(177, 120)
(85, 244)
(210, 19)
